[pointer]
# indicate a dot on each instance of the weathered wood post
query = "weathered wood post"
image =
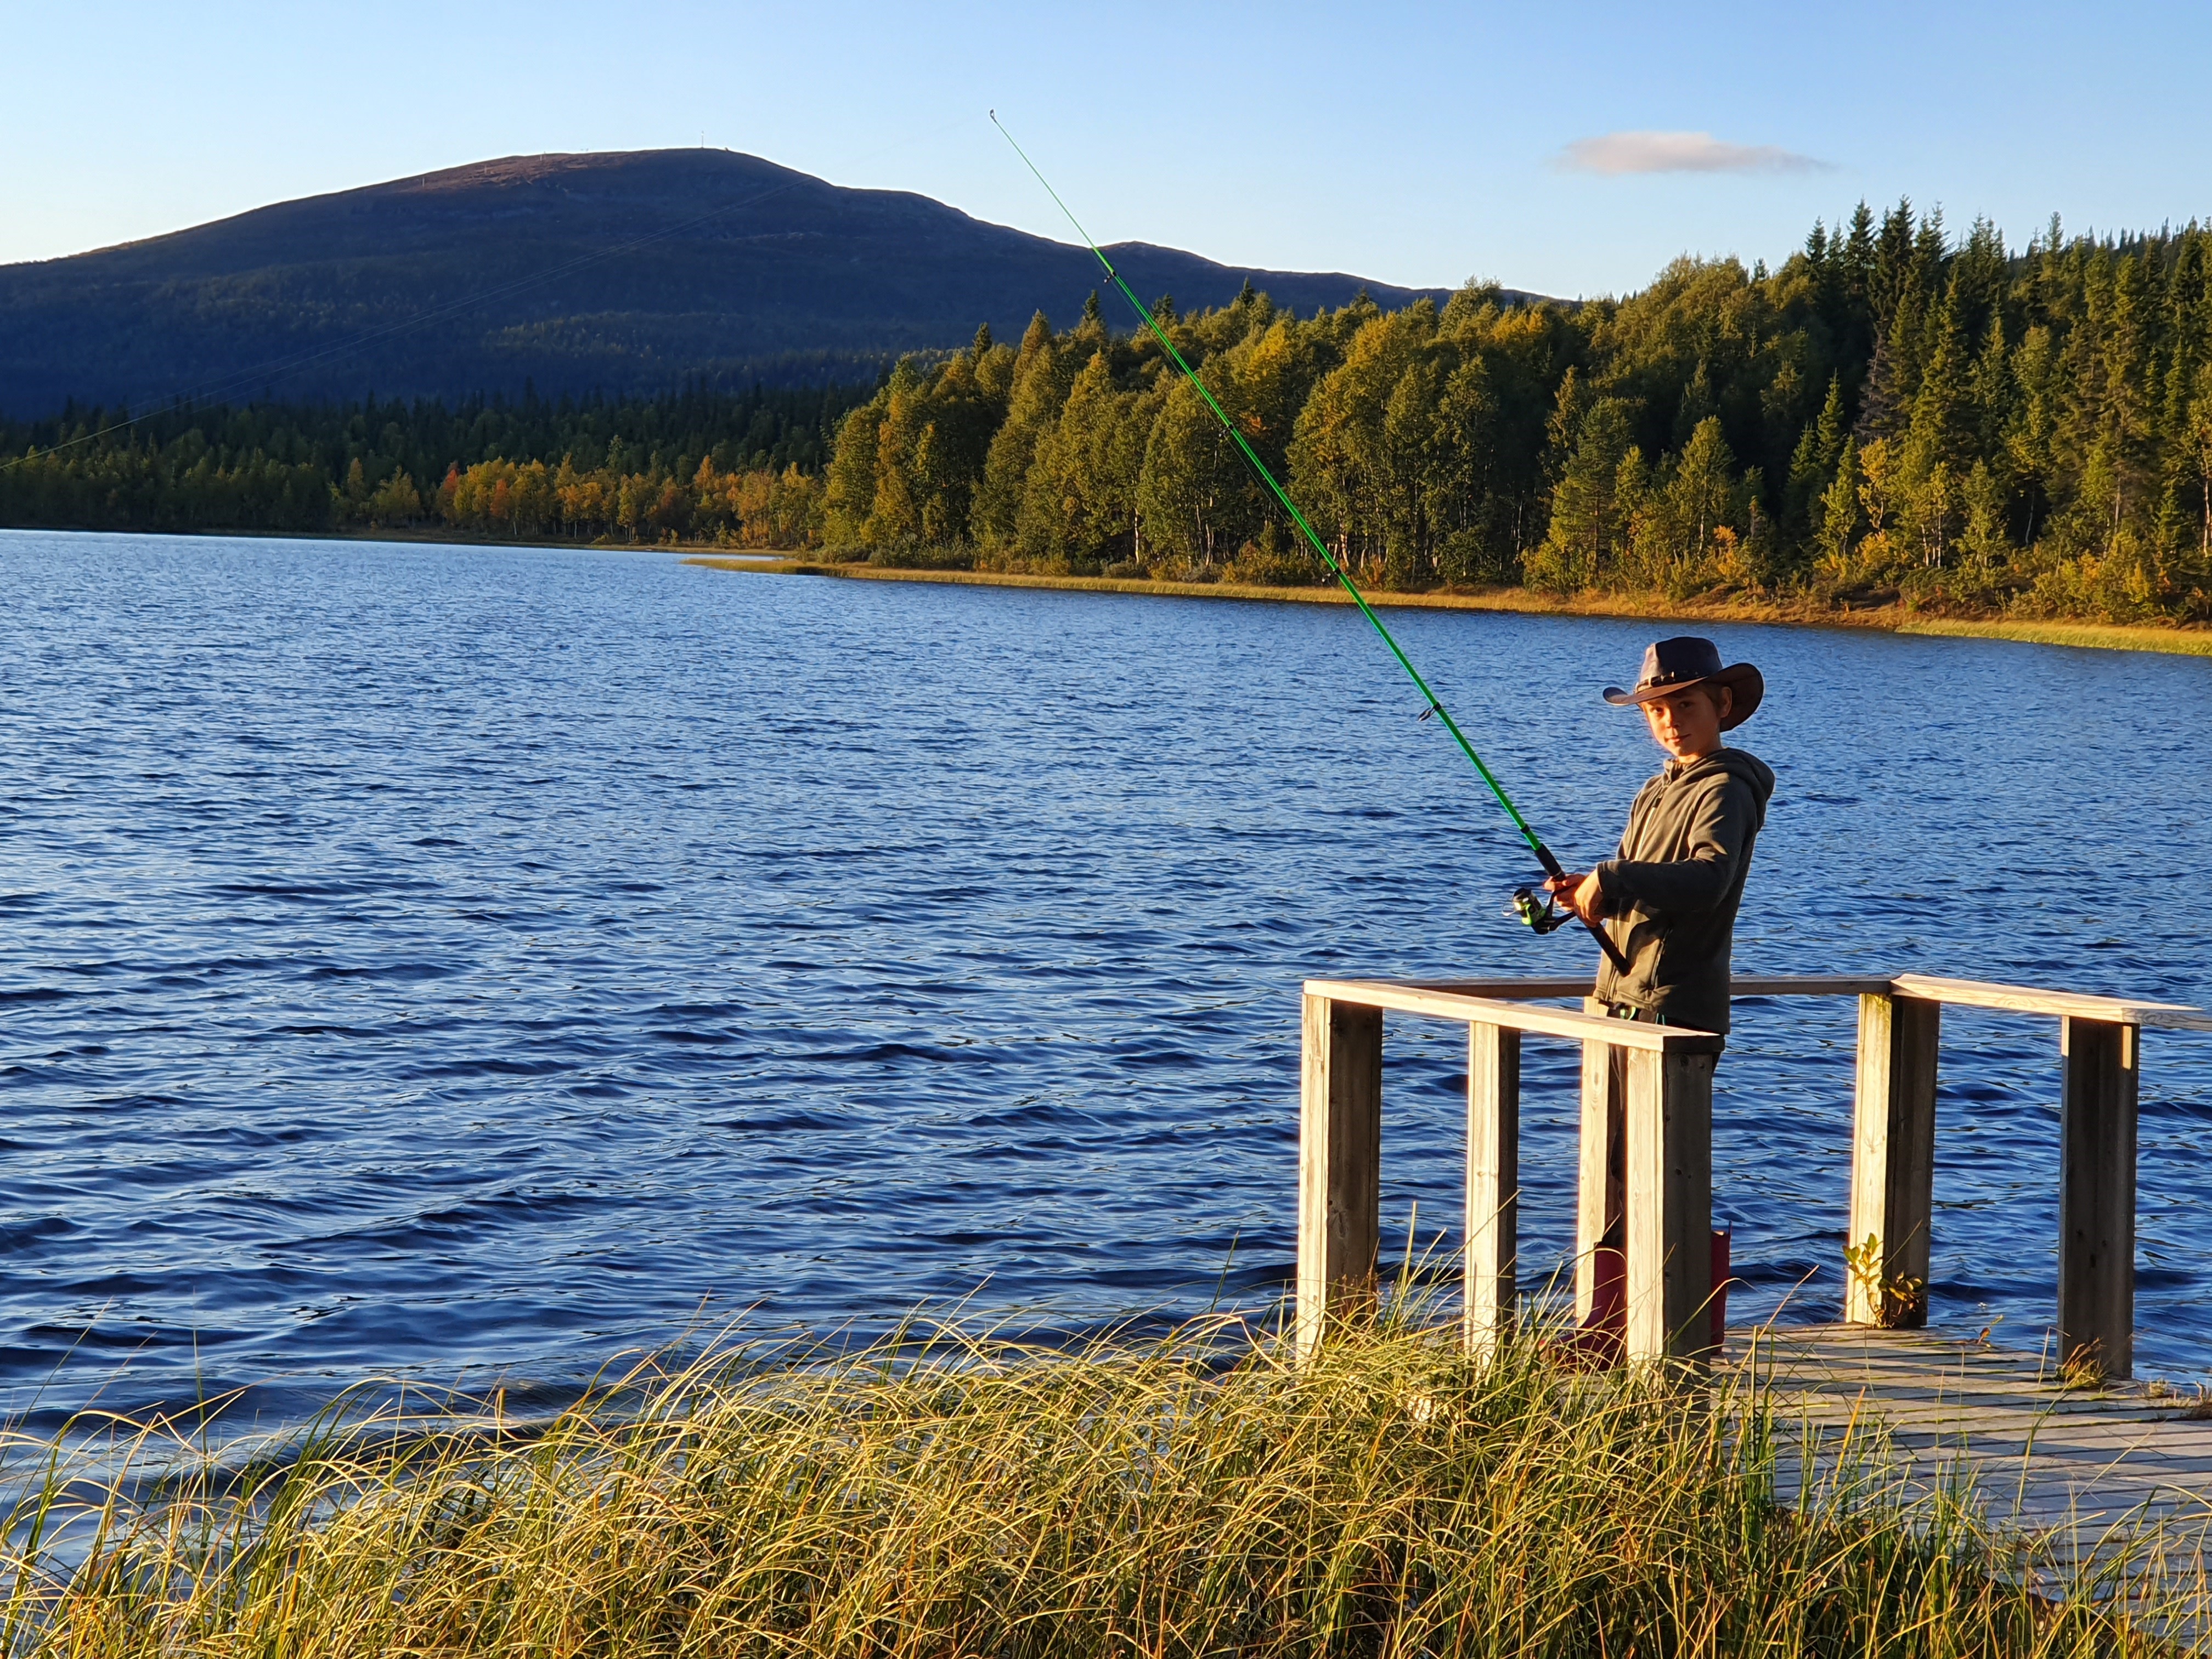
(1670, 1200)
(1893, 1154)
(1493, 1181)
(2100, 1064)
(1339, 1163)
(1601, 1189)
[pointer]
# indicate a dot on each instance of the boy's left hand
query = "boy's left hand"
(1583, 895)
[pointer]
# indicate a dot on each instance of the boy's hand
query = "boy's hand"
(1582, 895)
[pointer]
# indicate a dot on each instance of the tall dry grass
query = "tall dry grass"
(1197, 1495)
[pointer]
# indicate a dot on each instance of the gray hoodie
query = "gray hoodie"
(1671, 894)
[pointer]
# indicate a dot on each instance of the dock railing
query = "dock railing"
(1645, 1167)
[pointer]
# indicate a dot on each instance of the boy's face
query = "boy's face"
(1687, 724)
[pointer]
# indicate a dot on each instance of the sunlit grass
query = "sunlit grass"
(1194, 1495)
(1890, 618)
(2089, 635)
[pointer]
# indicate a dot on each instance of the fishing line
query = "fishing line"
(1525, 902)
(278, 368)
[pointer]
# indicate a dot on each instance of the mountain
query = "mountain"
(625, 273)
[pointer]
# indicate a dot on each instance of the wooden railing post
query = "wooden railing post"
(2101, 1062)
(1670, 1202)
(1339, 1163)
(1493, 1181)
(1646, 1152)
(1600, 1193)
(1893, 1158)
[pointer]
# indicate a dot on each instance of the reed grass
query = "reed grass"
(957, 1496)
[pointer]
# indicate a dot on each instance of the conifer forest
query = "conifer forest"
(700, 464)
(1895, 414)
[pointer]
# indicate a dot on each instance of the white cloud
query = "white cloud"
(1616, 152)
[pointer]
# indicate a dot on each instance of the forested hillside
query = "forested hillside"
(630, 274)
(638, 469)
(1891, 415)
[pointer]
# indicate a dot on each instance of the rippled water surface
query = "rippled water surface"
(437, 960)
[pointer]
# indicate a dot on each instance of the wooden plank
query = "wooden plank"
(1809, 985)
(1508, 990)
(1979, 994)
(1520, 1016)
(2064, 1005)
(2100, 1063)
(1339, 1163)
(1493, 1182)
(2172, 1016)
(1601, 1191)
(1670, 1206)
(1753, 985)
(1892, 1149)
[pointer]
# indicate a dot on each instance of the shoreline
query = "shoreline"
(2167, 641)
(1889, 619)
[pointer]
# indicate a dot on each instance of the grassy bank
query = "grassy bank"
(1196, 1496)
(2092, 636)
(1889, 618)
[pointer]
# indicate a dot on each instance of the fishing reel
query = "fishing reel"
(1537, 910)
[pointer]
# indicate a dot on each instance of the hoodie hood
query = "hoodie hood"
(1736, 763)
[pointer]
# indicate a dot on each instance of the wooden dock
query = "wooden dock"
(2045, 1454)
(2061, 1447)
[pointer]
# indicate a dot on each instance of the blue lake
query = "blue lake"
(460, 962)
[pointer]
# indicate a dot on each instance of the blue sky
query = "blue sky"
(1572, 150)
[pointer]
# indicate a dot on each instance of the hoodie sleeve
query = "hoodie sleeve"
(1721, 825)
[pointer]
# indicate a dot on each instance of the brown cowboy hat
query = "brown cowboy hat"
(1671, 666)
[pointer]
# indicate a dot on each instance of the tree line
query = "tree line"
(1892, 414)
(699, 463)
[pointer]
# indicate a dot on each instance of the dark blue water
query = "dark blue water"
(441, 960)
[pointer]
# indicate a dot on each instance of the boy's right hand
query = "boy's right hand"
(1583, 895)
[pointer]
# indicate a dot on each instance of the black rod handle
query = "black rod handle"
(1613, 953)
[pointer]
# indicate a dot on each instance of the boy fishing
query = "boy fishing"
(1666, 902)
(1668, 899)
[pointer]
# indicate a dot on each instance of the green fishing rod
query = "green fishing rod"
(1530, 911)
